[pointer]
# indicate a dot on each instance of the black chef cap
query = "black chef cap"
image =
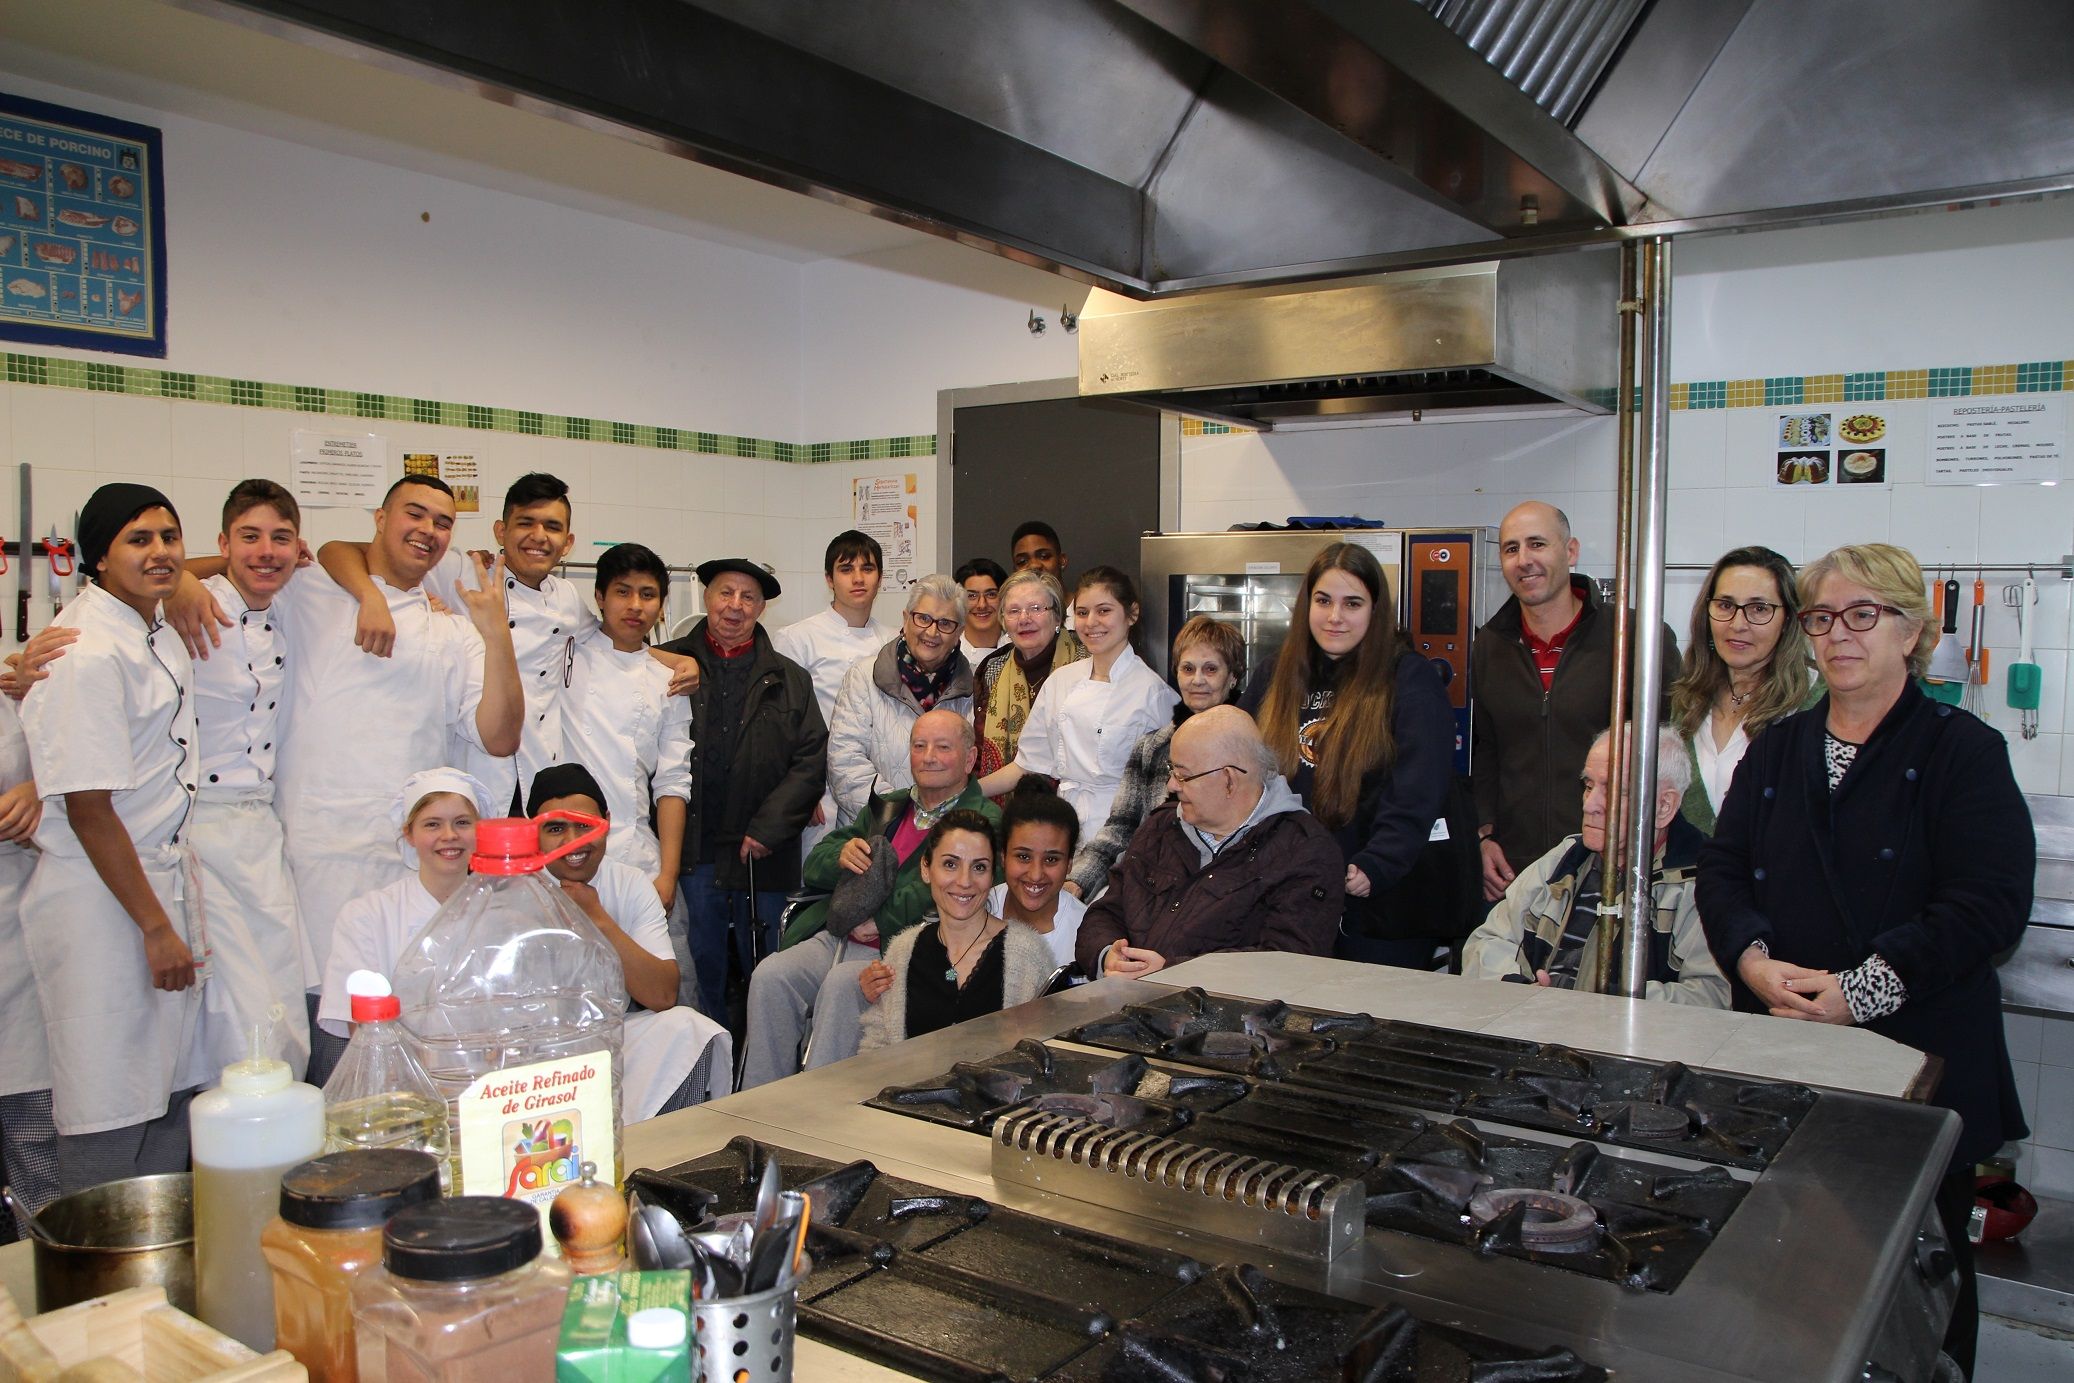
(565, 780)
(107, 513)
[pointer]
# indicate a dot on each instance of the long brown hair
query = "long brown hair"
(1354, 739)
(1784, 687)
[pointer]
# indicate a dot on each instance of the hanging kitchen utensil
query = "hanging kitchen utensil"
(21, 583)
(2026, 679)
(1946, 678)
(59, 550)
(1977, 650)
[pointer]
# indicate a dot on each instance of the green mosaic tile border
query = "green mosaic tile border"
(1945, 381)
(149, 382)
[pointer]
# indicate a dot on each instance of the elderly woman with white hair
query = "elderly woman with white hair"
(920, 670)
(1546, 929)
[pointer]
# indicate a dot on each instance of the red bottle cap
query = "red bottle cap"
(376, 1008)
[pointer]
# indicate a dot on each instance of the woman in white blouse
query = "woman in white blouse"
(1091, 713)
(1747, 667)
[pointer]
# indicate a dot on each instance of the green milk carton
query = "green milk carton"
(629, 1327)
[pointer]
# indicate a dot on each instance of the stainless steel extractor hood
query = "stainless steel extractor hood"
(1534, 334)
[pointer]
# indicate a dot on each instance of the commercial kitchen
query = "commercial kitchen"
(728, 266)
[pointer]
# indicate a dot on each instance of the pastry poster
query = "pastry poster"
(1830, 447)
(884, 507)
(82, 230)
(2009, 439)
(459, 472)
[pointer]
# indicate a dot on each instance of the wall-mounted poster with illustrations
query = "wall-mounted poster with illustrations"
(82, 230)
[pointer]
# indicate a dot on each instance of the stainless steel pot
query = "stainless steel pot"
(131, 1233)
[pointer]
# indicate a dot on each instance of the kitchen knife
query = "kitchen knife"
(52, 552)
(21, 582)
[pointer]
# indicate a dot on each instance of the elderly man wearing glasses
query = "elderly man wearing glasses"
(920, 670)
(1233, 863)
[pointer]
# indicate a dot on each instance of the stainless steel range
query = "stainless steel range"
(1173, 1184)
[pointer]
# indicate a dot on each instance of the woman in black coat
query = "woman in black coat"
(1872, 857)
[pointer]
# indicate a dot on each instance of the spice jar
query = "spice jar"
(462, 1296)
(329, 1232)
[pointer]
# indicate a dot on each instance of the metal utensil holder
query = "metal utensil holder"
(748, 1339)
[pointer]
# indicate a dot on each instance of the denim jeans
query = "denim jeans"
(713, 915)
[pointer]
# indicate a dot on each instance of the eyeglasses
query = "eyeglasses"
(1177, 777)
(1721, 609)
(973, 597)
(923, 624)
(1857, 618)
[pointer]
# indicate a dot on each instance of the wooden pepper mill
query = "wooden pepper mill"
(589, 1221)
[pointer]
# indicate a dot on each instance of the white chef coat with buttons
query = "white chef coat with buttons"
(1082, 731)
(237, 693)
(622, 724)
(544, 622)
(357, 726)
(114, 715)
(827, 646)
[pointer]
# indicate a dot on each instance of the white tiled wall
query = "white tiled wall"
(2041, 1052)
(687, 507)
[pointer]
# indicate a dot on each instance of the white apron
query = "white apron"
(118, 1047)
(255, 933)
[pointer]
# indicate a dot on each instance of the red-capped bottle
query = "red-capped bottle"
(380, 1095)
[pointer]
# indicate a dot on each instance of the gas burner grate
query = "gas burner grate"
(1125, 1091)
(1361, 1060)
(954, 1288)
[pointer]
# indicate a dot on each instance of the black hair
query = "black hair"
(430, 482)
(248, 495)
(980, 566)
(630, 559)
(1035, 528)
(850, 543)
(962, 819)
(1034, 804)
(536, 487)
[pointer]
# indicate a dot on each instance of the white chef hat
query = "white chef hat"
(424, 784)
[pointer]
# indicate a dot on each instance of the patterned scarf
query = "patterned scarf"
(1004, 704)
(927, 688)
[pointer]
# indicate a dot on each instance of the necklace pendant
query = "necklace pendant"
(950, 972)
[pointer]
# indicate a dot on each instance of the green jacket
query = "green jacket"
(910, 901)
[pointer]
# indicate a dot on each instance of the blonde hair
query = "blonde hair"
(1045, 582)
(1893, 575)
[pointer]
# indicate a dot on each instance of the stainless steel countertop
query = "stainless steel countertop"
(1767, 1301)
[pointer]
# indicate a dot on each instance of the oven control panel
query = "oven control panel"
(1438, 592)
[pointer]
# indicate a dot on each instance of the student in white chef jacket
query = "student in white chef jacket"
(829, 643)
(1090, 714)
(248, 898)
(28, 1139)
(433, 820)
(675, 1056)
(544, 612)
(358, 724)
(111, 935)
(623, 724)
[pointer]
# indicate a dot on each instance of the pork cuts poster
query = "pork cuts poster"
(82, 230)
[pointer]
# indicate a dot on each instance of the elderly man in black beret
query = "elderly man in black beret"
(757, 765)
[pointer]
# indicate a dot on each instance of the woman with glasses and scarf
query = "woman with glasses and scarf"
(1748, 667)
(920, 670)
(1873, 856)
(1035, 645)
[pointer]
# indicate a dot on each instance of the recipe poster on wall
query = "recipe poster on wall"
(337, 470)
(2009, 439)
(459, 472)
(82, 230)
(884, 507)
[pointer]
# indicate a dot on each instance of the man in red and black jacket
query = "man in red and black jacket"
(1542, 675)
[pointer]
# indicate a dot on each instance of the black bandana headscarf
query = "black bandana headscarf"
(112, 509)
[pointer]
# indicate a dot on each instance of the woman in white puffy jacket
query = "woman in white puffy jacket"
(921, 670)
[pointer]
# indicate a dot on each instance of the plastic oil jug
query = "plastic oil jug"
(254, 1126)
(516, 1006)
(380, 1095)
